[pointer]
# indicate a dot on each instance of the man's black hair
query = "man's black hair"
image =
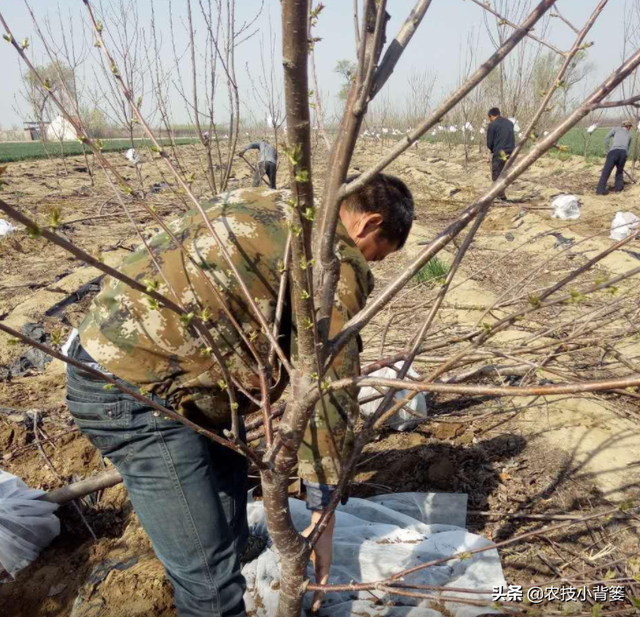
(494, 111)
(391, 198)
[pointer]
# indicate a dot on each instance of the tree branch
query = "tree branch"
(505, 21)
(566, 21)
(327, 269)
(631, 101)
(398, 45)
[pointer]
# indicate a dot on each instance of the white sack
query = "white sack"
(623, 225)
(566, 207)
(27, 525)
(375, 538)
(402, 420)
(6, 228)
(132, 156)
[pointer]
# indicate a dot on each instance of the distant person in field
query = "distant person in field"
(501, 141)
(617, 143)
(267, 162)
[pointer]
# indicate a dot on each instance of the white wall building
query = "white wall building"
(61, 130)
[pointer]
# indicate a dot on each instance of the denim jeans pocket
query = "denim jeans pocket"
(115, 414)
(103, 423)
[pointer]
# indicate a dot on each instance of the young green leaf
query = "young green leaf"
(54, 217)
(187, 319)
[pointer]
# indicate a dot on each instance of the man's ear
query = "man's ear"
(369, 223)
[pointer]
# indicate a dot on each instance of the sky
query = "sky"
(438, 46)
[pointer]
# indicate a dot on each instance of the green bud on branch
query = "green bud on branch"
(34, 232)
(151, 285)
(54, 217)
(186, 319)
(302, 176)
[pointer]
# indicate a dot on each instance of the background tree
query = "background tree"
(56, 78)
(346, 69)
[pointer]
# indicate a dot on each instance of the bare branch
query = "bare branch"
(398, 45)
(441, 388)
(326, 271)
(566, 21)
(503, 21)
(633, 101)
(314, 76)
(356, 26)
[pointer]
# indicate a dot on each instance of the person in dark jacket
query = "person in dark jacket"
(267, 162)
(501, 141)
(617, 141)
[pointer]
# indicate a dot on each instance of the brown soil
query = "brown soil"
(570, 455)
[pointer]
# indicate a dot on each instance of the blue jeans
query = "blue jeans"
(189, 493)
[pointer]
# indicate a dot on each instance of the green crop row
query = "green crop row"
(577, 140)
(10, 152)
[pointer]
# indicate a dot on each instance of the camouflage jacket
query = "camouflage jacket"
(149, 346)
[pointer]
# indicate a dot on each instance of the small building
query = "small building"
(33, 130)
(60, 129)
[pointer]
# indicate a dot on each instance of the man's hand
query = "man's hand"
(240, 154)
(321, 556)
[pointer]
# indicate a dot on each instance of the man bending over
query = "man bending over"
(189, 492)
(267, 162)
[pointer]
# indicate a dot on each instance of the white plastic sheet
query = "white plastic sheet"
(27, 525)
(6, 228)
(377, 537)
(623, 225)
(406, 418)
(566, 207)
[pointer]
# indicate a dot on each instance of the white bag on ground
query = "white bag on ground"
(566, 207)
(375, 538)
(623, 224)
(132, 156)
(406, 418)
(27, 525)
(6, 228)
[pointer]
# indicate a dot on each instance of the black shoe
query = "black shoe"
(253, 548)
(600, 193)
